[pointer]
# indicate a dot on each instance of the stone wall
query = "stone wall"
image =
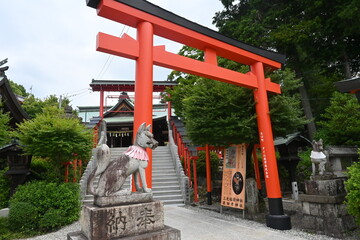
(323, 210)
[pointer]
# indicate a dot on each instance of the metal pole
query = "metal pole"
(101, 104)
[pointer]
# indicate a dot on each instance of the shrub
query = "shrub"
(304, 167)
(41, 169)
(4, 189)
(353, 191)
(201, 164)
(50, 199)
(23, 216)
(52, 219)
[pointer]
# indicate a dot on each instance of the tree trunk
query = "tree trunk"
(347, 69)
(308, 112)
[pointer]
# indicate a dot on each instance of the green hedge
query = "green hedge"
(55, 204)
(353, 191)
(23, 217)
(41, 170)
(4, 189)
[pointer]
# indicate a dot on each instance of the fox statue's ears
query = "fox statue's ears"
(143, 127)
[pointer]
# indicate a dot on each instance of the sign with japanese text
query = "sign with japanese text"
(233, 180)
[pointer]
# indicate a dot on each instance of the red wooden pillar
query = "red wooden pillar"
(196, 193)
(169, 108)
(256, 168)
(144, 85)
(188, 163)
(276, 219)
(208, 174)
(75, 163)
(80, 167)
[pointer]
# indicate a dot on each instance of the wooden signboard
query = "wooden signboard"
(233, 180)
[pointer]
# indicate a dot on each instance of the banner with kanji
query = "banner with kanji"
(233, 180)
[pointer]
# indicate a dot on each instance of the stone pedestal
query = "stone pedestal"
(133, 221)
(167, 233)
(323, 211)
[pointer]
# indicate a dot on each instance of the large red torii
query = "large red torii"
(150, 20)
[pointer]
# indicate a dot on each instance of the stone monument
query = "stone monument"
(323, 210)
(118, 213)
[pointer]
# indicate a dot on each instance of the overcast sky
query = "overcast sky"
(50, 45)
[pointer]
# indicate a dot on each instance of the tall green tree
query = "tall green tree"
(341, 124)
(18, 89)
(33, 105)
(4, 128)
(320, 39)
(53, 136)
(221, 114)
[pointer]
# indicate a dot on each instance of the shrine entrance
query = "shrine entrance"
(150, 20)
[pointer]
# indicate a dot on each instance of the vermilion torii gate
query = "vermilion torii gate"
(150, 20)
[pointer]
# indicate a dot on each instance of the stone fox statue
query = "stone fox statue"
(113, 173)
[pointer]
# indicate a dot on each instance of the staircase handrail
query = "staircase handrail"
(183, 179)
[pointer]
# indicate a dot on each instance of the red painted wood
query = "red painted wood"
(124, 47)
(130, 16)
(265, 134)
(208, 169)
(144, 84)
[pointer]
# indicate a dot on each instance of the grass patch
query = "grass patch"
(7, 234)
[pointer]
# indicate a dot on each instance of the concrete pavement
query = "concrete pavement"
(200, 224)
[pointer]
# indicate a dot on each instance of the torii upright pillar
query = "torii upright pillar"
(276, 218)
(144, 85)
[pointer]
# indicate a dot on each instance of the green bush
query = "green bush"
(50, 199)
(41, 170)
(4, 189)
(201, 164)
(353, 191)
(4, 226)
(52, 219)
(23, 217)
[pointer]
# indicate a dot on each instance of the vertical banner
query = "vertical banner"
(233, 180)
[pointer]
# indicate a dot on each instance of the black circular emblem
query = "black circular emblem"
(237, 183)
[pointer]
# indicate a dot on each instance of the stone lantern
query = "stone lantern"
(19, 164)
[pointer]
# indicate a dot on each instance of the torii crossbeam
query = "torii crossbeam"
(150, 20)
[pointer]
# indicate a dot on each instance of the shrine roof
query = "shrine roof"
(11, 102)
(126, 86)
(161, 13)
(127, 119)
(290, 138)
(348, 85)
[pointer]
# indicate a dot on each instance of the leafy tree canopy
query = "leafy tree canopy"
(18, 89)
(33, 105)
(4, 128)
(51, 135)
(217, 113)
(341, 124)
(321, 39)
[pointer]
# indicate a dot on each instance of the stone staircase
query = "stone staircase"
(165, 185)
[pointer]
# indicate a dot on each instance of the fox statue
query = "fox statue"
(113, 173)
